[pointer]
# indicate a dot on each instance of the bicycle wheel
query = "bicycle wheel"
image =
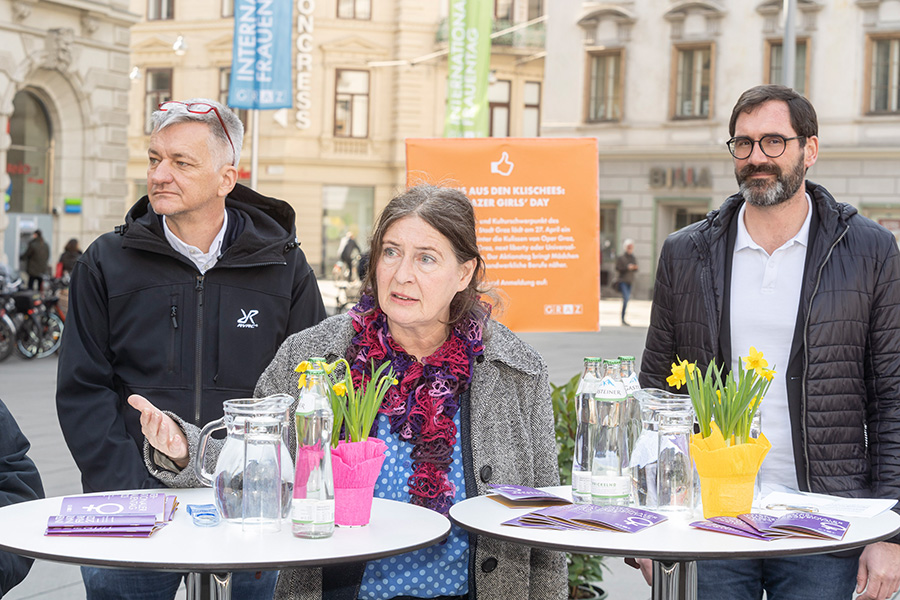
(7, 340)
(28, 338)
(51, 334)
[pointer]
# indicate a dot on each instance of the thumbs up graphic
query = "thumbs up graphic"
(503, 166)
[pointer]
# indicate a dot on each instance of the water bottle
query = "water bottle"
(312, 507)
(633, 423)
(586, 421)
(610, 473)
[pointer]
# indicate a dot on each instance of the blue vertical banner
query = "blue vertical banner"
(261, 55)
(468, 66)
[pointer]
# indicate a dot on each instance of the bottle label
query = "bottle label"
(312, 512)
(610, 486)
(581, 482)
(631, 384)
(610, 389)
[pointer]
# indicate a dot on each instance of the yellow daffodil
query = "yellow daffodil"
(766, 374)
(677, 378)
(301, 383)
(755, 360)
(303, 367)
(340, 389)
(329, 367)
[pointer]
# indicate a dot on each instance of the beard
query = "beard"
(763, 192)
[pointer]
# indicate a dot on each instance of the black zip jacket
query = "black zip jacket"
(143, 320)
(19, 482)
(844, 371)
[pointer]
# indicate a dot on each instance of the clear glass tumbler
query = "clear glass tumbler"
(675, 471)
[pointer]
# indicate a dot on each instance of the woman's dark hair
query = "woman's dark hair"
(450, 212)
(71, 245)
(803, 115)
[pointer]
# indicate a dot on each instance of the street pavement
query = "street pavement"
(28, 388)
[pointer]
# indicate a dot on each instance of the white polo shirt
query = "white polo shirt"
(765, 295)
(204, 260)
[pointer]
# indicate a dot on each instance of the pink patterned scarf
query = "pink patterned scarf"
(421, 409)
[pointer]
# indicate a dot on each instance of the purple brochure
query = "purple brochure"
(170, 506)
(151, 503)
(82, 521)
(758, 521)
(617, 518)
(144, 531)
(738, 523)
(521, 495)
(525, 521)
(713, 524)
(805, 524)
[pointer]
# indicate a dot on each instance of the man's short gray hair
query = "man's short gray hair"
(627, 242)
(178, 113)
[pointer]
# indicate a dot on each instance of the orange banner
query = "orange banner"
(537, 214)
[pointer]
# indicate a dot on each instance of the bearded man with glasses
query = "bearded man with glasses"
(783, 267)
(185, 303)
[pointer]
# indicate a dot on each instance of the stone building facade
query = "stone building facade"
(655, 81)
(63, 120)
(367, 75)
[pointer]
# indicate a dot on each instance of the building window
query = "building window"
(776, 56)
(224, 88)
(503, 10)
(531, 116)
(498, 103)
(354, 9)
(605, 92)
(351, 104)
(693, 82)
(227, 8)
(535, 9)
(884, 86)
(158, 90)
(160, 10)
(29, 159)
(344, 208)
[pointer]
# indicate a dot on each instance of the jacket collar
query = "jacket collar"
(266, 228)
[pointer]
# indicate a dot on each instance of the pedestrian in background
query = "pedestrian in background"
(36, 256)
(67, 259)
(626, 266)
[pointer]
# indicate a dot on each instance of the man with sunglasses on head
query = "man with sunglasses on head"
(783, 267)
(186, 303)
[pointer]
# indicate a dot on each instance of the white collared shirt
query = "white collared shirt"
(765, 296)
(204, 260)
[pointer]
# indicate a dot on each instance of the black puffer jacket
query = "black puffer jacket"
(143, 320)
(844, 373)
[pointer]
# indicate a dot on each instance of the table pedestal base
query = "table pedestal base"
(674, 580)
(219, 586)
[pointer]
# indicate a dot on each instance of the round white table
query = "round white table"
(673, 545)
(395, 528)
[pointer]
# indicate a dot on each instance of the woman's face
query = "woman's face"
(418, 275)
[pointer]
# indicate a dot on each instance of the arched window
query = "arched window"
(29, 159)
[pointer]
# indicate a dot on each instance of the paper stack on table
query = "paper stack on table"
(769, 527)
(112, 515)
(588, 517)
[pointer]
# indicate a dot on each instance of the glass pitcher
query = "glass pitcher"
(645, 455)
(254, 475)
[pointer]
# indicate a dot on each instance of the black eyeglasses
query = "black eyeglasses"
(202, 108)
(772, 145)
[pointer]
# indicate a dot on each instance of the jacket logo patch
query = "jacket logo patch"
(247, 321)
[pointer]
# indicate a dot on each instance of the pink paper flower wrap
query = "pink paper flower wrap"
(355, 467)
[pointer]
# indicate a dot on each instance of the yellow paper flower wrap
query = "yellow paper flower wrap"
(727, 473)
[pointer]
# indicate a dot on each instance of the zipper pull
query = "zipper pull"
(174, 315)
(199, 286)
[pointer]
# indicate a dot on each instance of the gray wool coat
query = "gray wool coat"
(510, 440)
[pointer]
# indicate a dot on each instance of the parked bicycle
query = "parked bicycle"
(29, 322)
